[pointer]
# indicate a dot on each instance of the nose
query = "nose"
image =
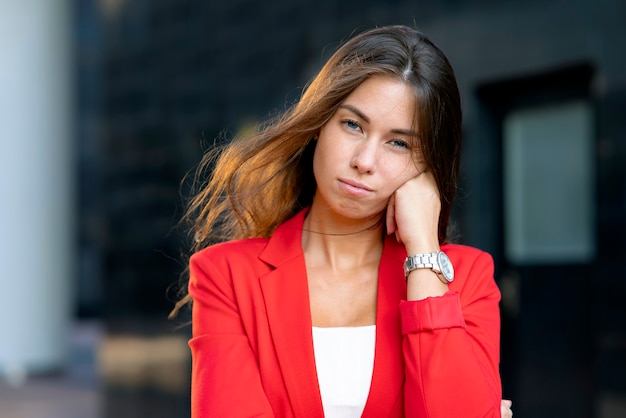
(365, 156)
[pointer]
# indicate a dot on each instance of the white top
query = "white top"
(344, 358)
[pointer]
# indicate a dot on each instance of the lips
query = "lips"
(354, 187)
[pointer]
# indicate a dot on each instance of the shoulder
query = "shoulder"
(249, 245)
(215, 268)
(229, 252)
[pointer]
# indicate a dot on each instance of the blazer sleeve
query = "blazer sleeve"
(225, 376)
(451, 348)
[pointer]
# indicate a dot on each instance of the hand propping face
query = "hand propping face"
(413, 214)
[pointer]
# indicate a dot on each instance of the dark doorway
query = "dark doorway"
(545, 138)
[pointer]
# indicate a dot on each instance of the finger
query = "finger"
(505, 409)
(505, 412)
(390, 217)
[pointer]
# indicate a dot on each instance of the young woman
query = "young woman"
(333, 291)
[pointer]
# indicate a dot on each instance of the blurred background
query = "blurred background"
(107, 104)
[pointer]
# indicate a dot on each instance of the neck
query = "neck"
(339, 243)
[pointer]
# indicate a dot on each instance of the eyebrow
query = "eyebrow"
(362, 115)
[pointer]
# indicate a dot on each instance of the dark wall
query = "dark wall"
(173, 76)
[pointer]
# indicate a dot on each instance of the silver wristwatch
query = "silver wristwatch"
(437, 262)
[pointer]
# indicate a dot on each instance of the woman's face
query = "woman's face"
(366, 150)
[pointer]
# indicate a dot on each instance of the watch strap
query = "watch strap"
(424, 261)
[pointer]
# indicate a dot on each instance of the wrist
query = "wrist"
(422, 247)
(423, 283)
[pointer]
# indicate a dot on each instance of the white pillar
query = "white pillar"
(36, 185)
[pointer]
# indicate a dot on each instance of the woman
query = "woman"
(335, 292)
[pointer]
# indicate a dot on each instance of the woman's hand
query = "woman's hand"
(505, 408)
(413, 214)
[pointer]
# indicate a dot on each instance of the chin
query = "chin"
(361, 214)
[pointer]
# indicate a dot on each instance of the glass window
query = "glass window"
(549, 183)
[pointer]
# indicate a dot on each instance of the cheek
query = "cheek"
(320, 160)
(316, 163)
(327, 154)
(398, 177)
(403, 172)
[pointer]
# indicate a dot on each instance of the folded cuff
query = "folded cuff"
(432, 313)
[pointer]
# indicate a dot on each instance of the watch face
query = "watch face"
(446, 266)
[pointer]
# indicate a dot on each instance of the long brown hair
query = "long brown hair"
(258, 182)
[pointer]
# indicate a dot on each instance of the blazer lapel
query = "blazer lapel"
(286, 295)
(388, 376)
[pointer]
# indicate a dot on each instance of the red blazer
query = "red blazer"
(252, 344)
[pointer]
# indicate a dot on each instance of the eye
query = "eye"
(400, 143)
(351, 125)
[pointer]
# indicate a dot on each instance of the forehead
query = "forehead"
(385, 98)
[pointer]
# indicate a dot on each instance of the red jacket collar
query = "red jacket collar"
(286, 243)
